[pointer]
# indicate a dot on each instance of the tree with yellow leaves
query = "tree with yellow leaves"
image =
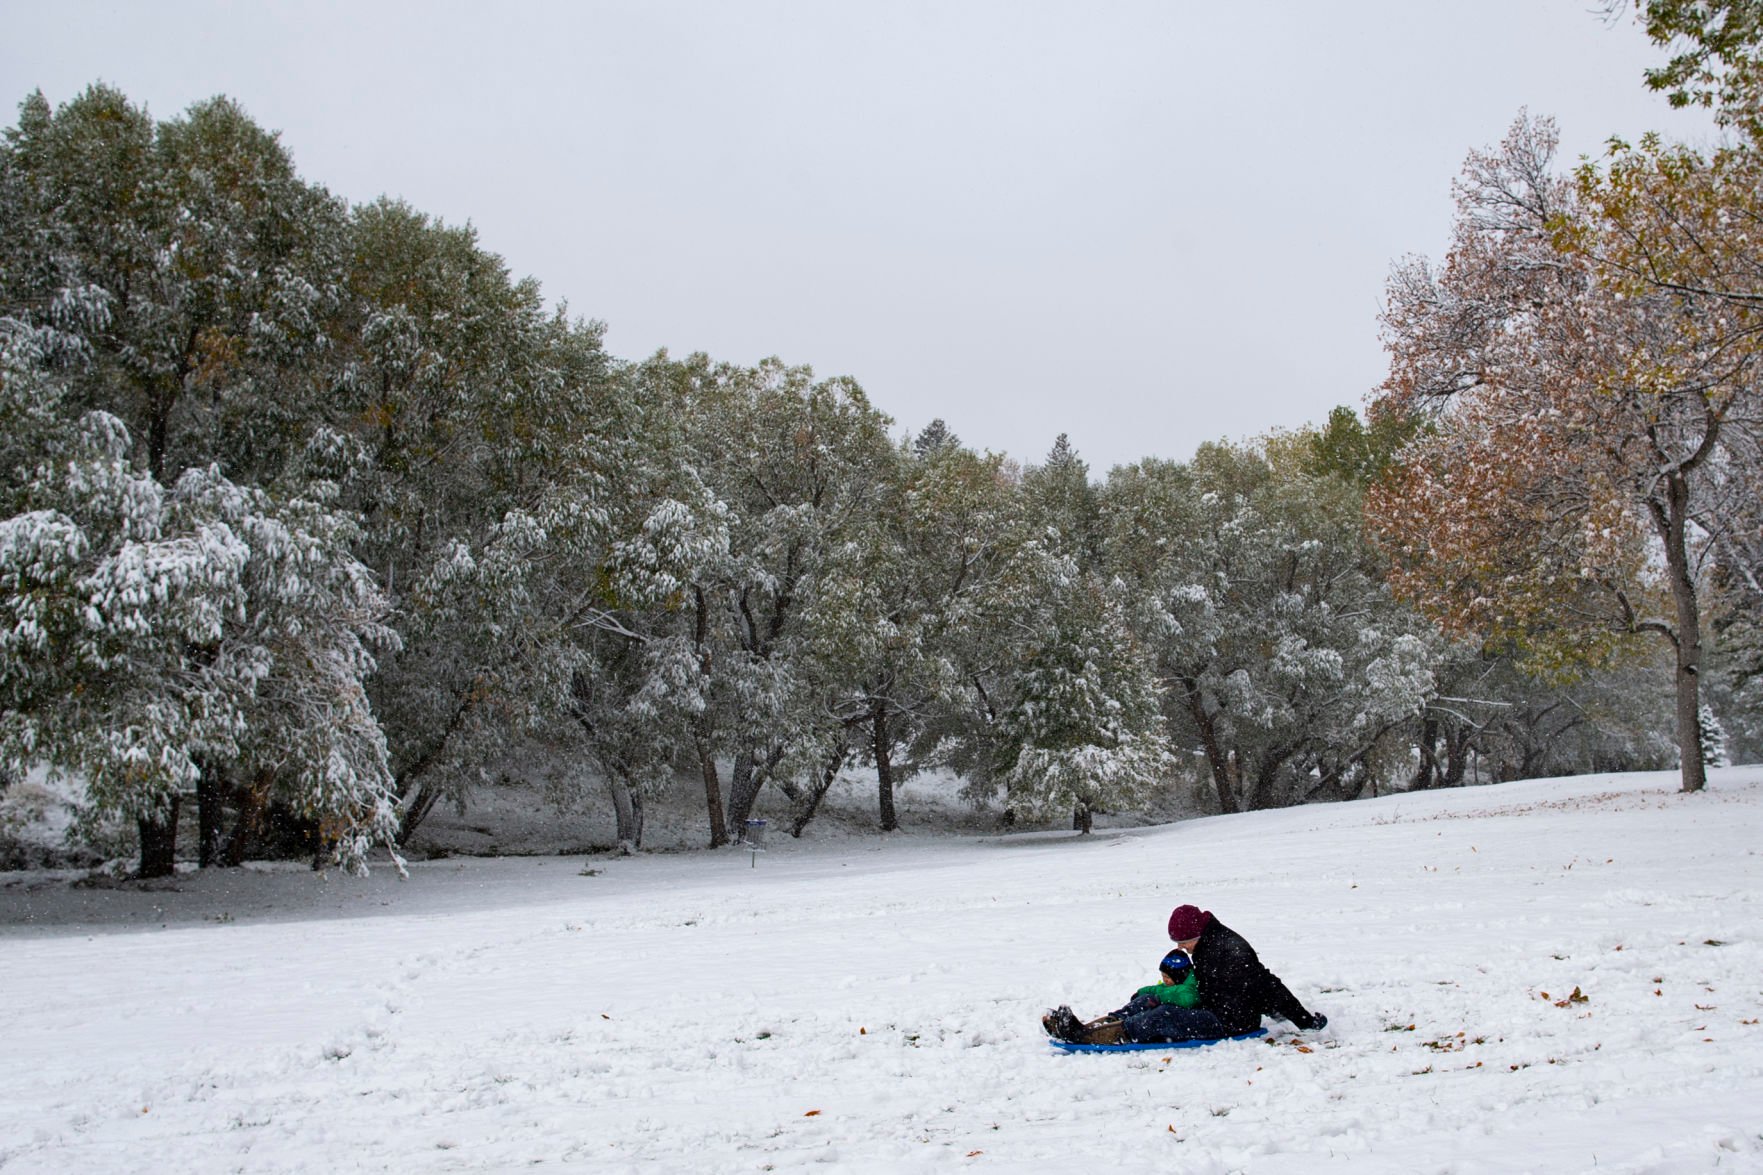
(1594, 418)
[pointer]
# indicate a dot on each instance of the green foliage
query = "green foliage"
(1716, 63)
(1349, 449)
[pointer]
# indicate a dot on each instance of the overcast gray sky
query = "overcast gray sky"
(1144, 224)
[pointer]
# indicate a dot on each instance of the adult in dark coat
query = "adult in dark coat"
(1234, 986)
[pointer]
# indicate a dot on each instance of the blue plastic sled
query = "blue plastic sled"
(1071, 1047)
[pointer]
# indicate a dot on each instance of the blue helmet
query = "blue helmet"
(1176, 965)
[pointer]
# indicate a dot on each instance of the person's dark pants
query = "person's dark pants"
(1145, 1021)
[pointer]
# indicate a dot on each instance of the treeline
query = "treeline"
(312, 512)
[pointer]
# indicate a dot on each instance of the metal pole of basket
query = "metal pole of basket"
(753, 836)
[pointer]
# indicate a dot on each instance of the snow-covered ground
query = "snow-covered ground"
(874, 1004)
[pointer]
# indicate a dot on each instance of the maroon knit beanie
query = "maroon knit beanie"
(1187, 922)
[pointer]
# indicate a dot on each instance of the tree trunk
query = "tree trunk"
(701, 725)
(248, 823)
(411, 783)
(822, 784)
(159, 401)
(417, 811)
(1265, 792)
(1345, 782)
(884, 769)
(627, 805)
(1082, 819)
(1222, 776)
(1457, 754)
(744, 781)
(712, 793)
(159, 843)
(1692, 763)
(1428, 773)
(744, 789)
(210, 792)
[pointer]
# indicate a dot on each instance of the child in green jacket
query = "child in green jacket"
(1179, 987)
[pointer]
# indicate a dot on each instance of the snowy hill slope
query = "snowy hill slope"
(874, 1004)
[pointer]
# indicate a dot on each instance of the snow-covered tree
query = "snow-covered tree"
(1061, 504)
(177, 275)
(479, 438)
(1283, 660)
(896, 609)
(1080, 729)
(1029, 683)
(188, 261)
(933, 436)
(969, 578)
(158, 641)
(798, 463)
(639, 689)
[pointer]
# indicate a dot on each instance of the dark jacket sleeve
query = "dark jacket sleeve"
(1236, 988)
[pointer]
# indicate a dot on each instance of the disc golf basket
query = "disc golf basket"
(753, 839)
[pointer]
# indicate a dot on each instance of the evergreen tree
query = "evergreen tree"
(934, 436)
(1062, 504)
(1081, 729)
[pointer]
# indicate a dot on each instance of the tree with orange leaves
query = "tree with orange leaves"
(1585, 427)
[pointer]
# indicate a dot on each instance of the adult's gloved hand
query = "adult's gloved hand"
(1318, 1021)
